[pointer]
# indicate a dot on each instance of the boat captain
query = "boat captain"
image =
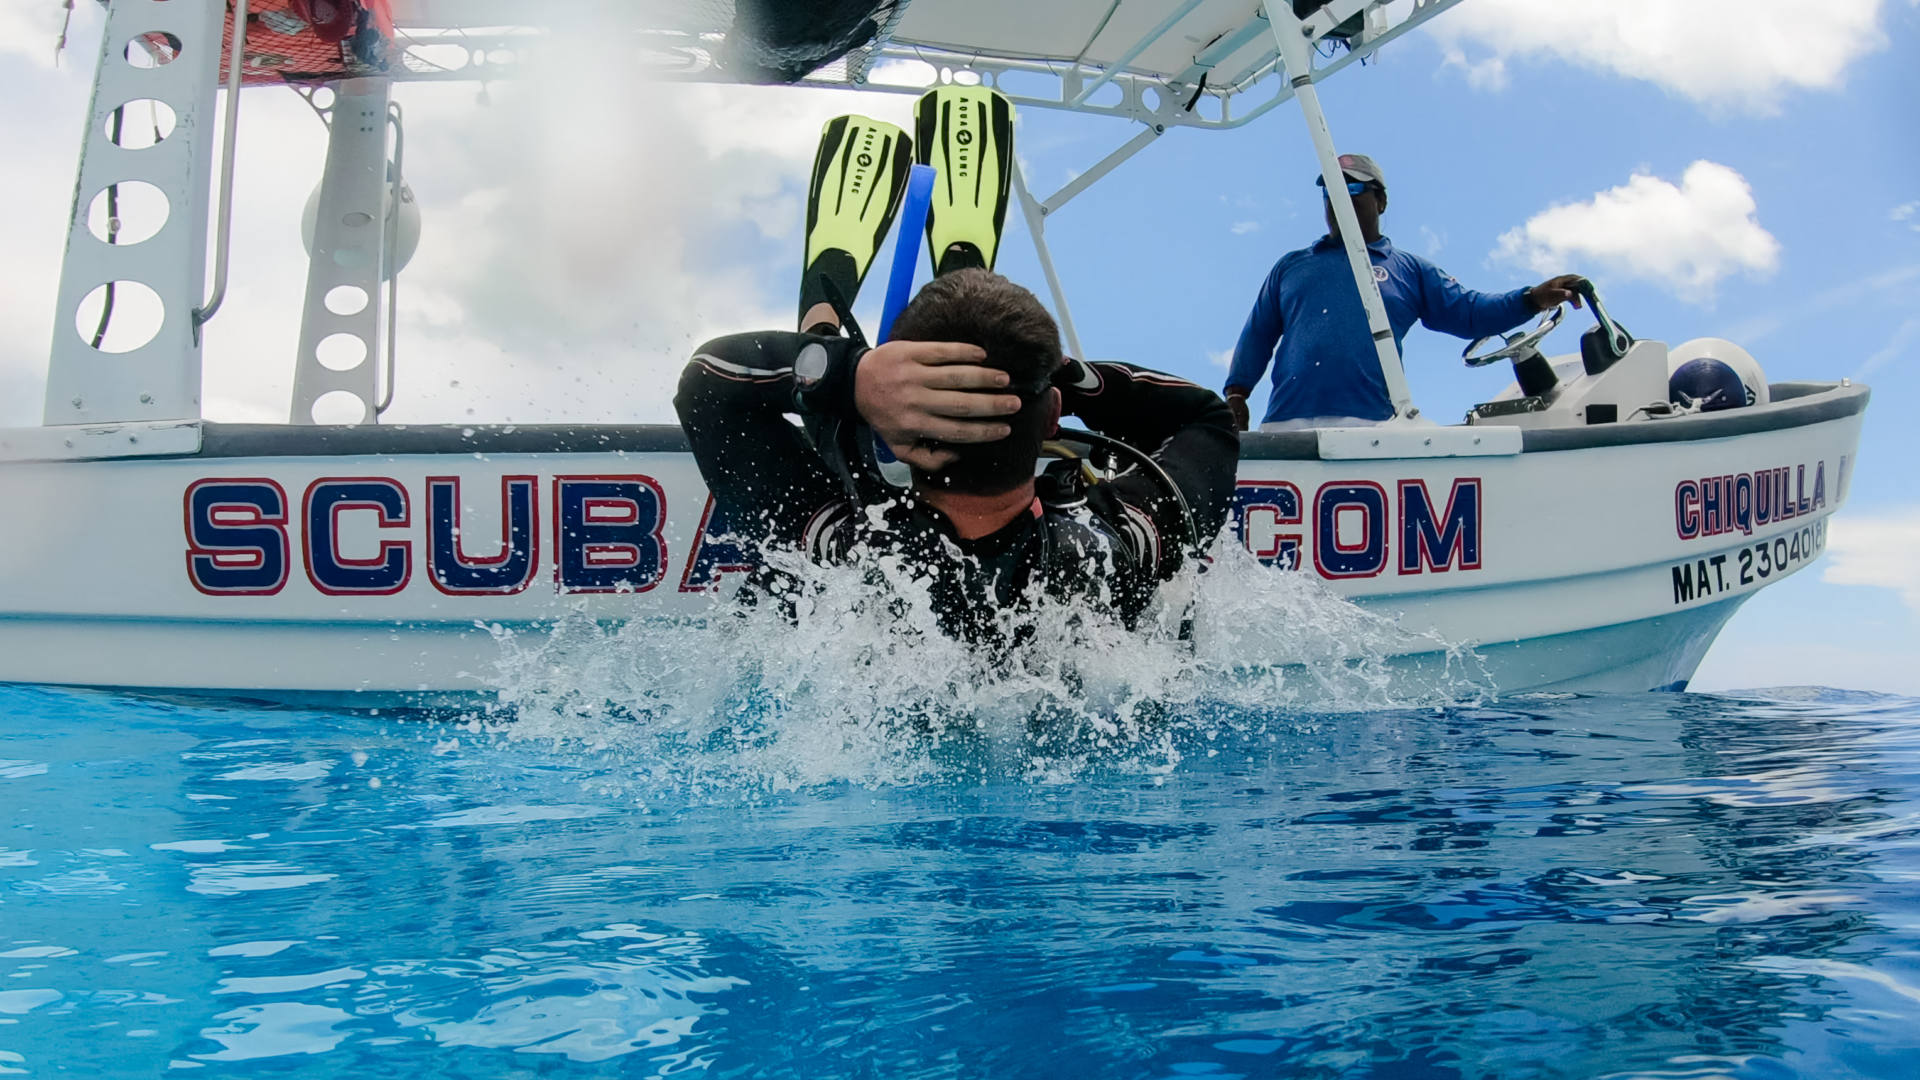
(1326, 372)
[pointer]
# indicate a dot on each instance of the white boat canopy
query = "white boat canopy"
(1200, 58)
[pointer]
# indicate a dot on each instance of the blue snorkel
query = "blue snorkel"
(906, 251)
(838, 443)
(906, 247)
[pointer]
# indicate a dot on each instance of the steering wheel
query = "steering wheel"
(1519, 345)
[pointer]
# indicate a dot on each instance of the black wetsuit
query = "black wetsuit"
(1111, 542)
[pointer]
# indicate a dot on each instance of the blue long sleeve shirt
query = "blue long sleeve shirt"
(1326, 364)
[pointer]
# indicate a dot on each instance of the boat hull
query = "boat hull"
(309, 564)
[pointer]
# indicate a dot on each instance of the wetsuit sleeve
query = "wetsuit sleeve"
(1187, 429)
(1451, 308)
(765, 474)
(1257, 339)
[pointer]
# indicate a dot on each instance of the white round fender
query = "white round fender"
(1735, 357)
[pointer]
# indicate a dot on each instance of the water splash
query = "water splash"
(861, 686)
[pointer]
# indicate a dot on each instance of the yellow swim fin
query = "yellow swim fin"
(965, 132)
(859, 175)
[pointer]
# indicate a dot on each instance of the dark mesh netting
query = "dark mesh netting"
(773, 41)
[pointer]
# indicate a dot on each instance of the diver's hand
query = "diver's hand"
(1555, 291)
(1237, 405)
(917, 395)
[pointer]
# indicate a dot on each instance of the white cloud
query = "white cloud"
(1242, 228)
(1876, 551)
(1221, 358)
(1687, 237)
(1905, 213)
(45, 110)
(1740, 55)
(582, 245)
(904, 73)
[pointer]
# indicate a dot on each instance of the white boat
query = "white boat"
(1582, 537)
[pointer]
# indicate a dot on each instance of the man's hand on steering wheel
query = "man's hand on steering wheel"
(1556, 291)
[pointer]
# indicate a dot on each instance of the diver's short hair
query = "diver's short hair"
(979, 307)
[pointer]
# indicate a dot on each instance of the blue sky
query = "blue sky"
(582, 233)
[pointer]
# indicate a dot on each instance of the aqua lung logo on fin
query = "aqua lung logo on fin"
(863, 163)
(962, 160)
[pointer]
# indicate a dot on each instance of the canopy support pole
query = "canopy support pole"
(1101, 168)
(1037, 225)
(349, 254)
(1296, 55)
(223, 225)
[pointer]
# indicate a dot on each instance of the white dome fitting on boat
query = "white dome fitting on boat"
(1735, 357)
(406, 234)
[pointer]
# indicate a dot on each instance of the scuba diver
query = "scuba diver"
(968, 393)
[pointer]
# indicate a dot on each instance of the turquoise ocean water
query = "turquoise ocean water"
(1659, 885)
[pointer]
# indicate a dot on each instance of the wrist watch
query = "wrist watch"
(823, 376)
(810, 367)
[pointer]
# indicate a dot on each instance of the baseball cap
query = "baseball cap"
(1362, 168)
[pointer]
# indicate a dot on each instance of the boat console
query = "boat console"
(1615, 378)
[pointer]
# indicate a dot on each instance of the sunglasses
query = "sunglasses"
(1354, 187)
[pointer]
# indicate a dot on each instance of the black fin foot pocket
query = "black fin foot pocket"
(960, 255)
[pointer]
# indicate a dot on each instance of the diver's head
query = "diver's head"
(979, 307)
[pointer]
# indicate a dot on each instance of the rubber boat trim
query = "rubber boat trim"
(1795, 404)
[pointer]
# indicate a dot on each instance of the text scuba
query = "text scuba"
(608, 534)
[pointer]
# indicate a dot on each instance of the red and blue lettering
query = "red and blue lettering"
(338, 575)
(716, 551)
(1440, 543)
(609, 533)
(456, 573)
(1262, 510)
(1686, 509)
(1713, 505)
(237, 537)
(1364, 557)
